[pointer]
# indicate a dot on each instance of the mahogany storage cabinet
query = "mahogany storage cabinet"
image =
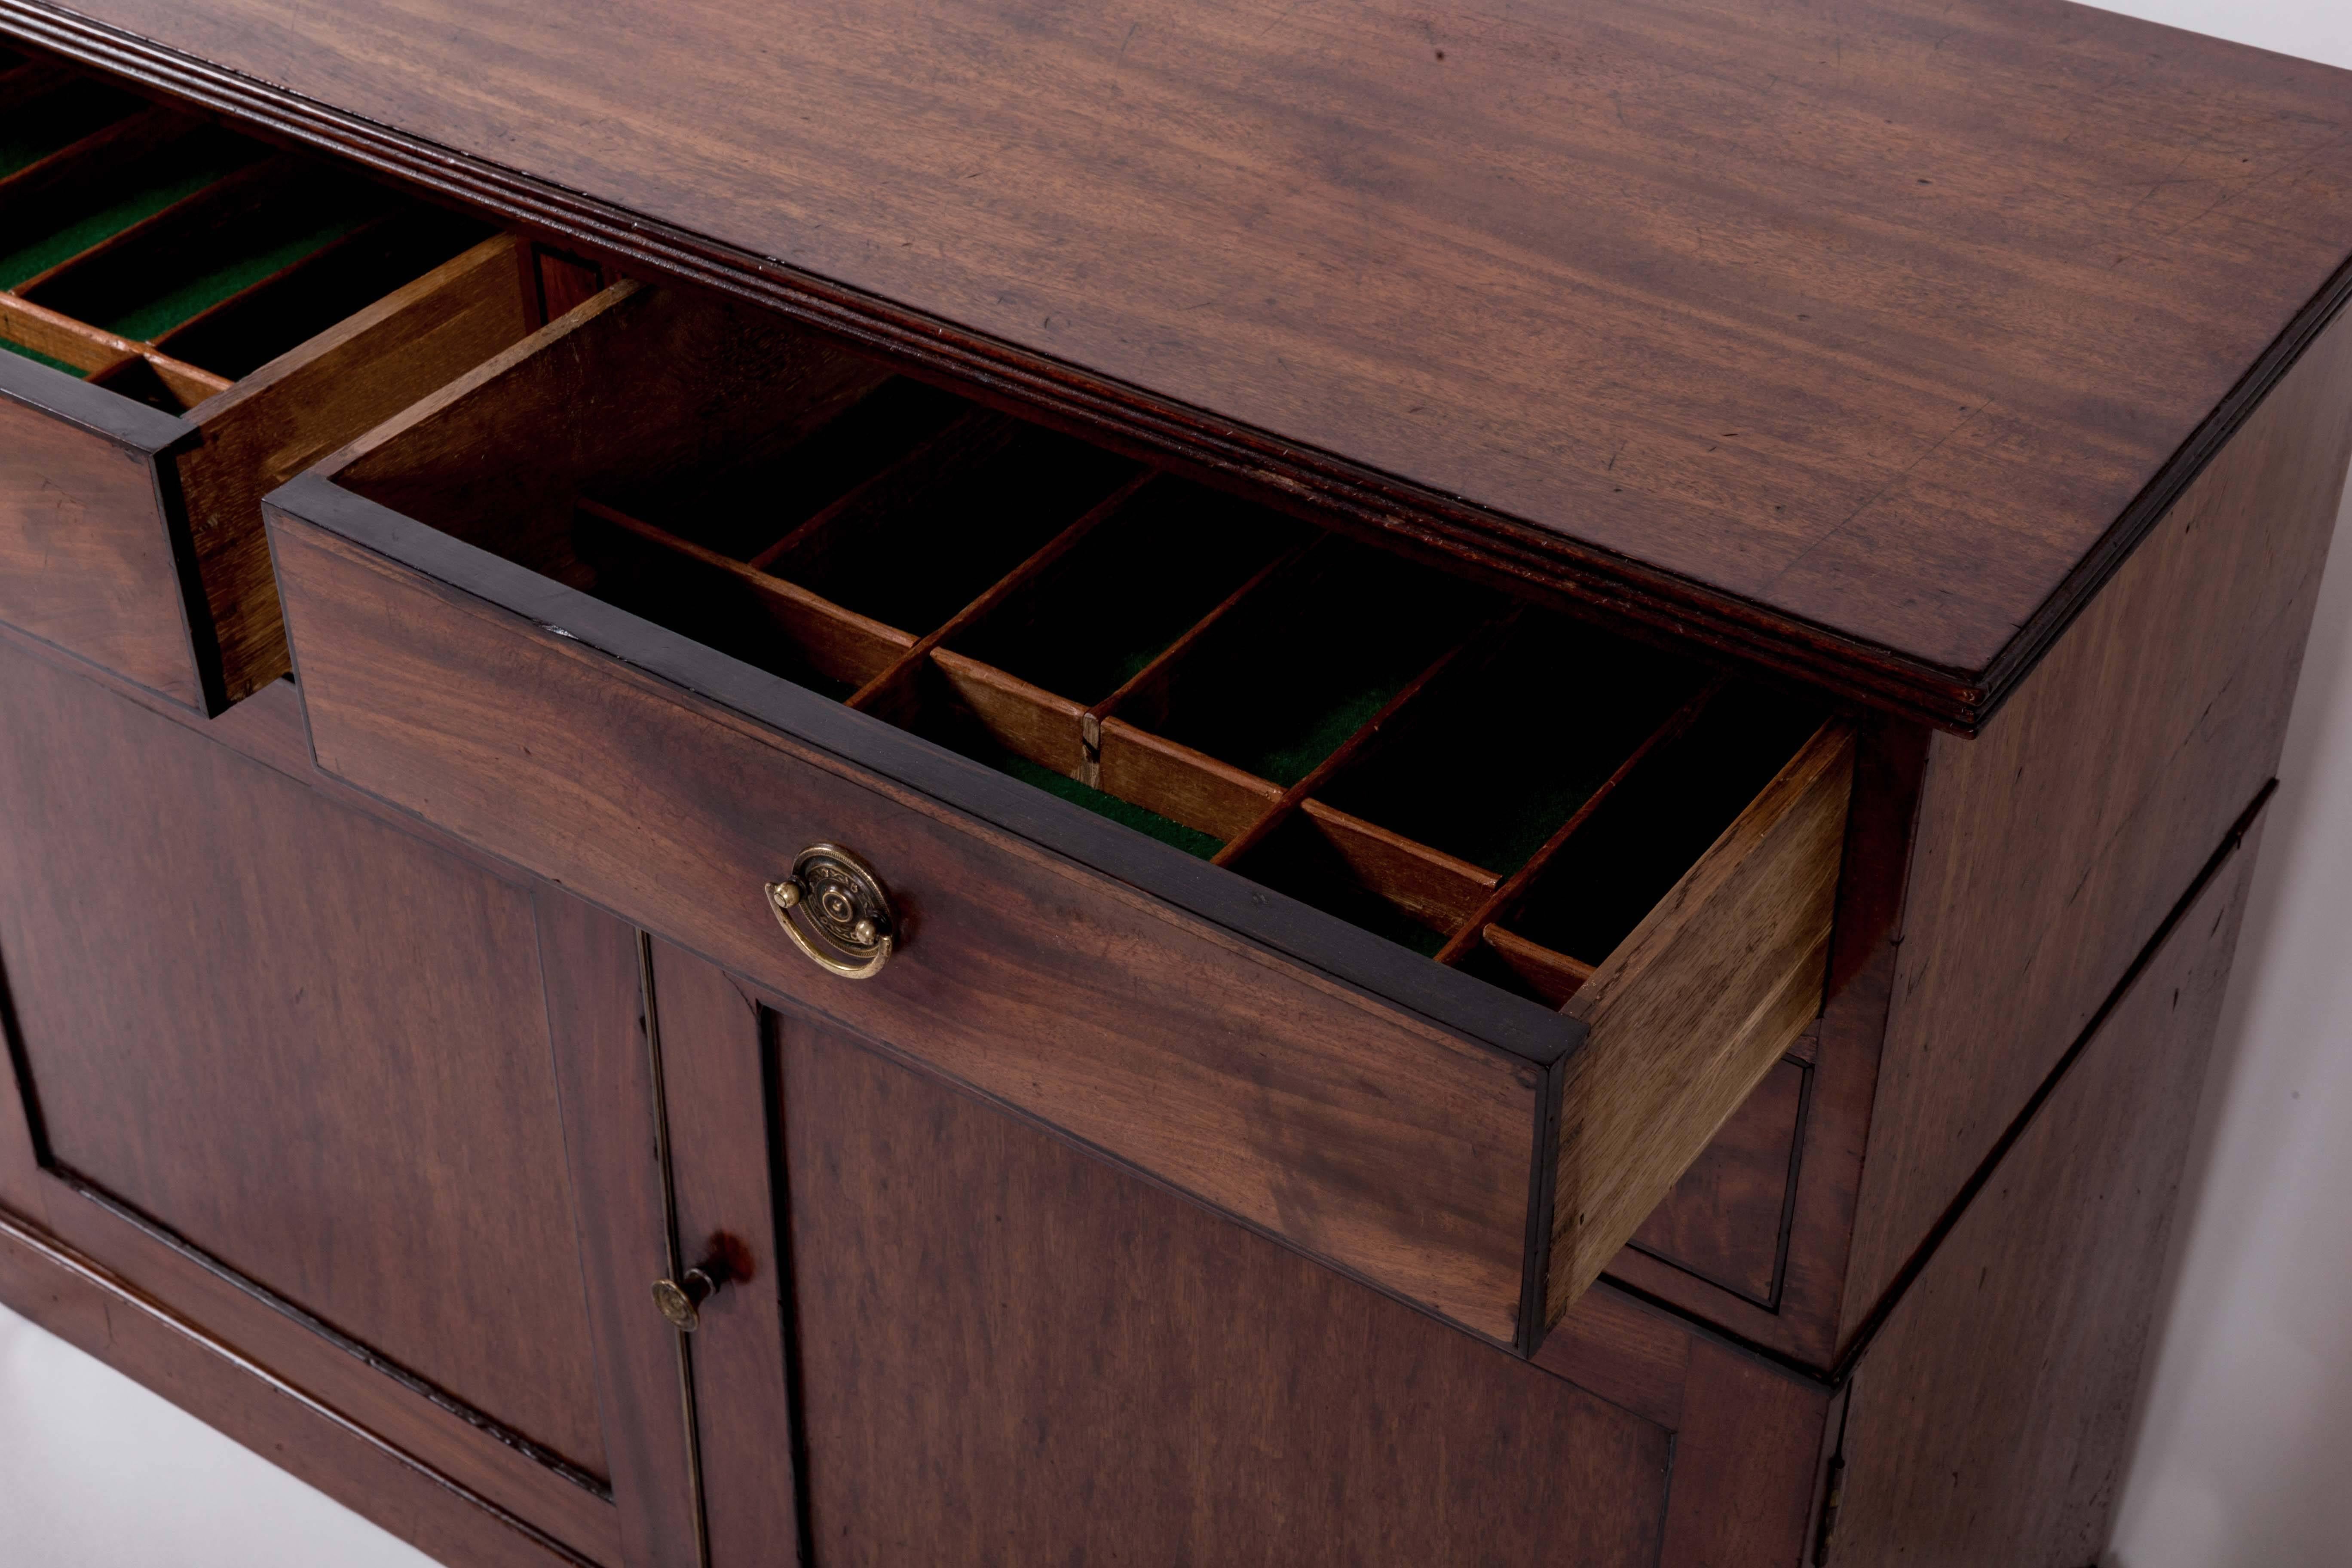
(999, 786)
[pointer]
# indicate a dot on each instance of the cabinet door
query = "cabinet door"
(288, 1069)
(1001, 1347)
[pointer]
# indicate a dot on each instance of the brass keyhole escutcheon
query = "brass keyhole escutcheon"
(834, 891)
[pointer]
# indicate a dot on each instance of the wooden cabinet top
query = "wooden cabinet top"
(1863, 337)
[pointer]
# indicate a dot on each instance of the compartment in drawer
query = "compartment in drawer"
(190, 317)
(1399, 780)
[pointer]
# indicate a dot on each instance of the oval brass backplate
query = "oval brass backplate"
(838, 894)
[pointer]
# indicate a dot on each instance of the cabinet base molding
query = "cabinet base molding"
(50, 1284)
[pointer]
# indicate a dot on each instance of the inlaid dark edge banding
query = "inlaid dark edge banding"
(1195, 440)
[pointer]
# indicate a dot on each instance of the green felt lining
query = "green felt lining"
(1190, 840)
(189, 297)
(37, 357)
(1277, 688)
(133, 196)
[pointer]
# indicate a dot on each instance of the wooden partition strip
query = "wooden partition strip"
(61, 338)
(327, 255)
(253, 184)
(27, 82)
(1146, 692)
(1179, 782)
(1431, 886)
(191, 384)
(968, 439)
(93, 157)
(1554, 976)
(1521, 882)
(840, 644)
(1358, 744)
(886, 691)
(1027, 721)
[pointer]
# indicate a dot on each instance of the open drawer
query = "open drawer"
(1431, 934)
(189, 317)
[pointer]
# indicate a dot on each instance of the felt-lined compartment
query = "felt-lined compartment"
(1282, 683)
(249, 327)
(164, 271)
(165, 257)
(93, 190)
(1626, 857)
(1094, 620)
(1489, 768)
(1491, 785)
(44, 107)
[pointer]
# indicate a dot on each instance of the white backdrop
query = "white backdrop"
(2244, 1450)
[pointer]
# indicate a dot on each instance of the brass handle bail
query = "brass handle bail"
(835, 891)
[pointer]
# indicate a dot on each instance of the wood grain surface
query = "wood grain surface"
(1991, 1416)
(1014, 1353)
(225, 986)
(1692, 1010)
(103, 1316)
(285, 416)
(1854, 331)
(720, 1091)
(261, 740)
(1355, 1129)
(605, 1071)
(2049, 848)
(86, 542)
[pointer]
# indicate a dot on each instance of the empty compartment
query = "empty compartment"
(742, 510)
(1097, 617)
(1487, 768)
(1412, 894)
(107, 188)
(1282, 682)
(209, 246)
(936, 527)
(1657, 823)
(44, 109)
(287, 307)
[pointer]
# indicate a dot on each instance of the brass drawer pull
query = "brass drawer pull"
(681, 1299)
(840, 895)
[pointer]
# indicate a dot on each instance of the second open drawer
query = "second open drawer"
(1431, 934)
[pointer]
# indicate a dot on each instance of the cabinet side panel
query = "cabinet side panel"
(1012, 1350)
(2051, 847)
(1991, 1415)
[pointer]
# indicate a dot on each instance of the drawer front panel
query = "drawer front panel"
(1362, 1135)
(85, 555)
